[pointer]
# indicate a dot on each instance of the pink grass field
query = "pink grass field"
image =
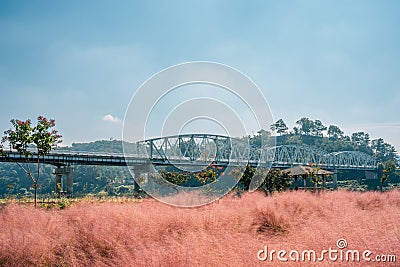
(229, 232)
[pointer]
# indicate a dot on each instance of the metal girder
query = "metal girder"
(349, 159)
(203, 149)
(296, 155)
(197, 148)
(302, 155)
(206, 148)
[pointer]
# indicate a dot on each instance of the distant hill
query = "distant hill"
(103, 146)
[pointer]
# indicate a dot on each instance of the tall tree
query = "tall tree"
(361, 139)
(317, 128)
(305, 126)
(24, 137)
(279, 126)
(273, 180)
(383, 151)
(335, 132)
(244, 175)
(386, 171)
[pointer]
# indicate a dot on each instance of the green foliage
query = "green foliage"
(386, 171)
(206, 176)
(279, 126)
(274, 180)
(315, 178)
(317, 128)
(1, 149)
(334, 132)
(383, 152)
(361, 139)
(309, 132)
(104, 146)
(49, 203)
(23, 136)
(244, 175)
(305, 126)
(176, 178)
(262, 138)
(19, 138)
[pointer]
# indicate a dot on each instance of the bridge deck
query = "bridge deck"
(58, 158)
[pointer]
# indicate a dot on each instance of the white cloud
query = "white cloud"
(111, 118)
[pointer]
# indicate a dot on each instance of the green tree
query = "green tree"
(25, 138)
(276, 181)
(317, 128)
(361, 139)
(305, 126)
(386, 171)
(334, 132)
(282, 180)
(206, 176)
(176, 178)
(244, 175)
(293, 140)
(383, 152)
(314, 176)
(279, 126)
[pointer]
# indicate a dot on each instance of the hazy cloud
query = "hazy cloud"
(111, 118)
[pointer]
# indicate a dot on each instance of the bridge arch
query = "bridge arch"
(197, 147)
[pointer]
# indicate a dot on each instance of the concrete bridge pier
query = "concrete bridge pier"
(66, 171)
(371, 175)
(139, 171)
(136, 174)
(334, 177)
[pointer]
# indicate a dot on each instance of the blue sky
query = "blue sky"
(79, 61)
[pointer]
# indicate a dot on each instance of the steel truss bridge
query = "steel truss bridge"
(204, 149)
(193, 150)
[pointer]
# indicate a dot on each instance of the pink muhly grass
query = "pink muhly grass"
(228, 232)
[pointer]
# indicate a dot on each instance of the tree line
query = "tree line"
(332, 138)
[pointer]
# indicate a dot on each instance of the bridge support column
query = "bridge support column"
(371, 175)
(70, 181)
(334, 176)
(59, 186)
(136, 174)
(138, 171)
(66, 171)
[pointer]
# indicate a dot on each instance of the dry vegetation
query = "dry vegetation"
(226, 233)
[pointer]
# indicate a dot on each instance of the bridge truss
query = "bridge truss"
(289, 155)
(201, 149)
(197, 149)
(204, 149)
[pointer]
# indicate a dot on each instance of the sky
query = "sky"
(80, 62)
